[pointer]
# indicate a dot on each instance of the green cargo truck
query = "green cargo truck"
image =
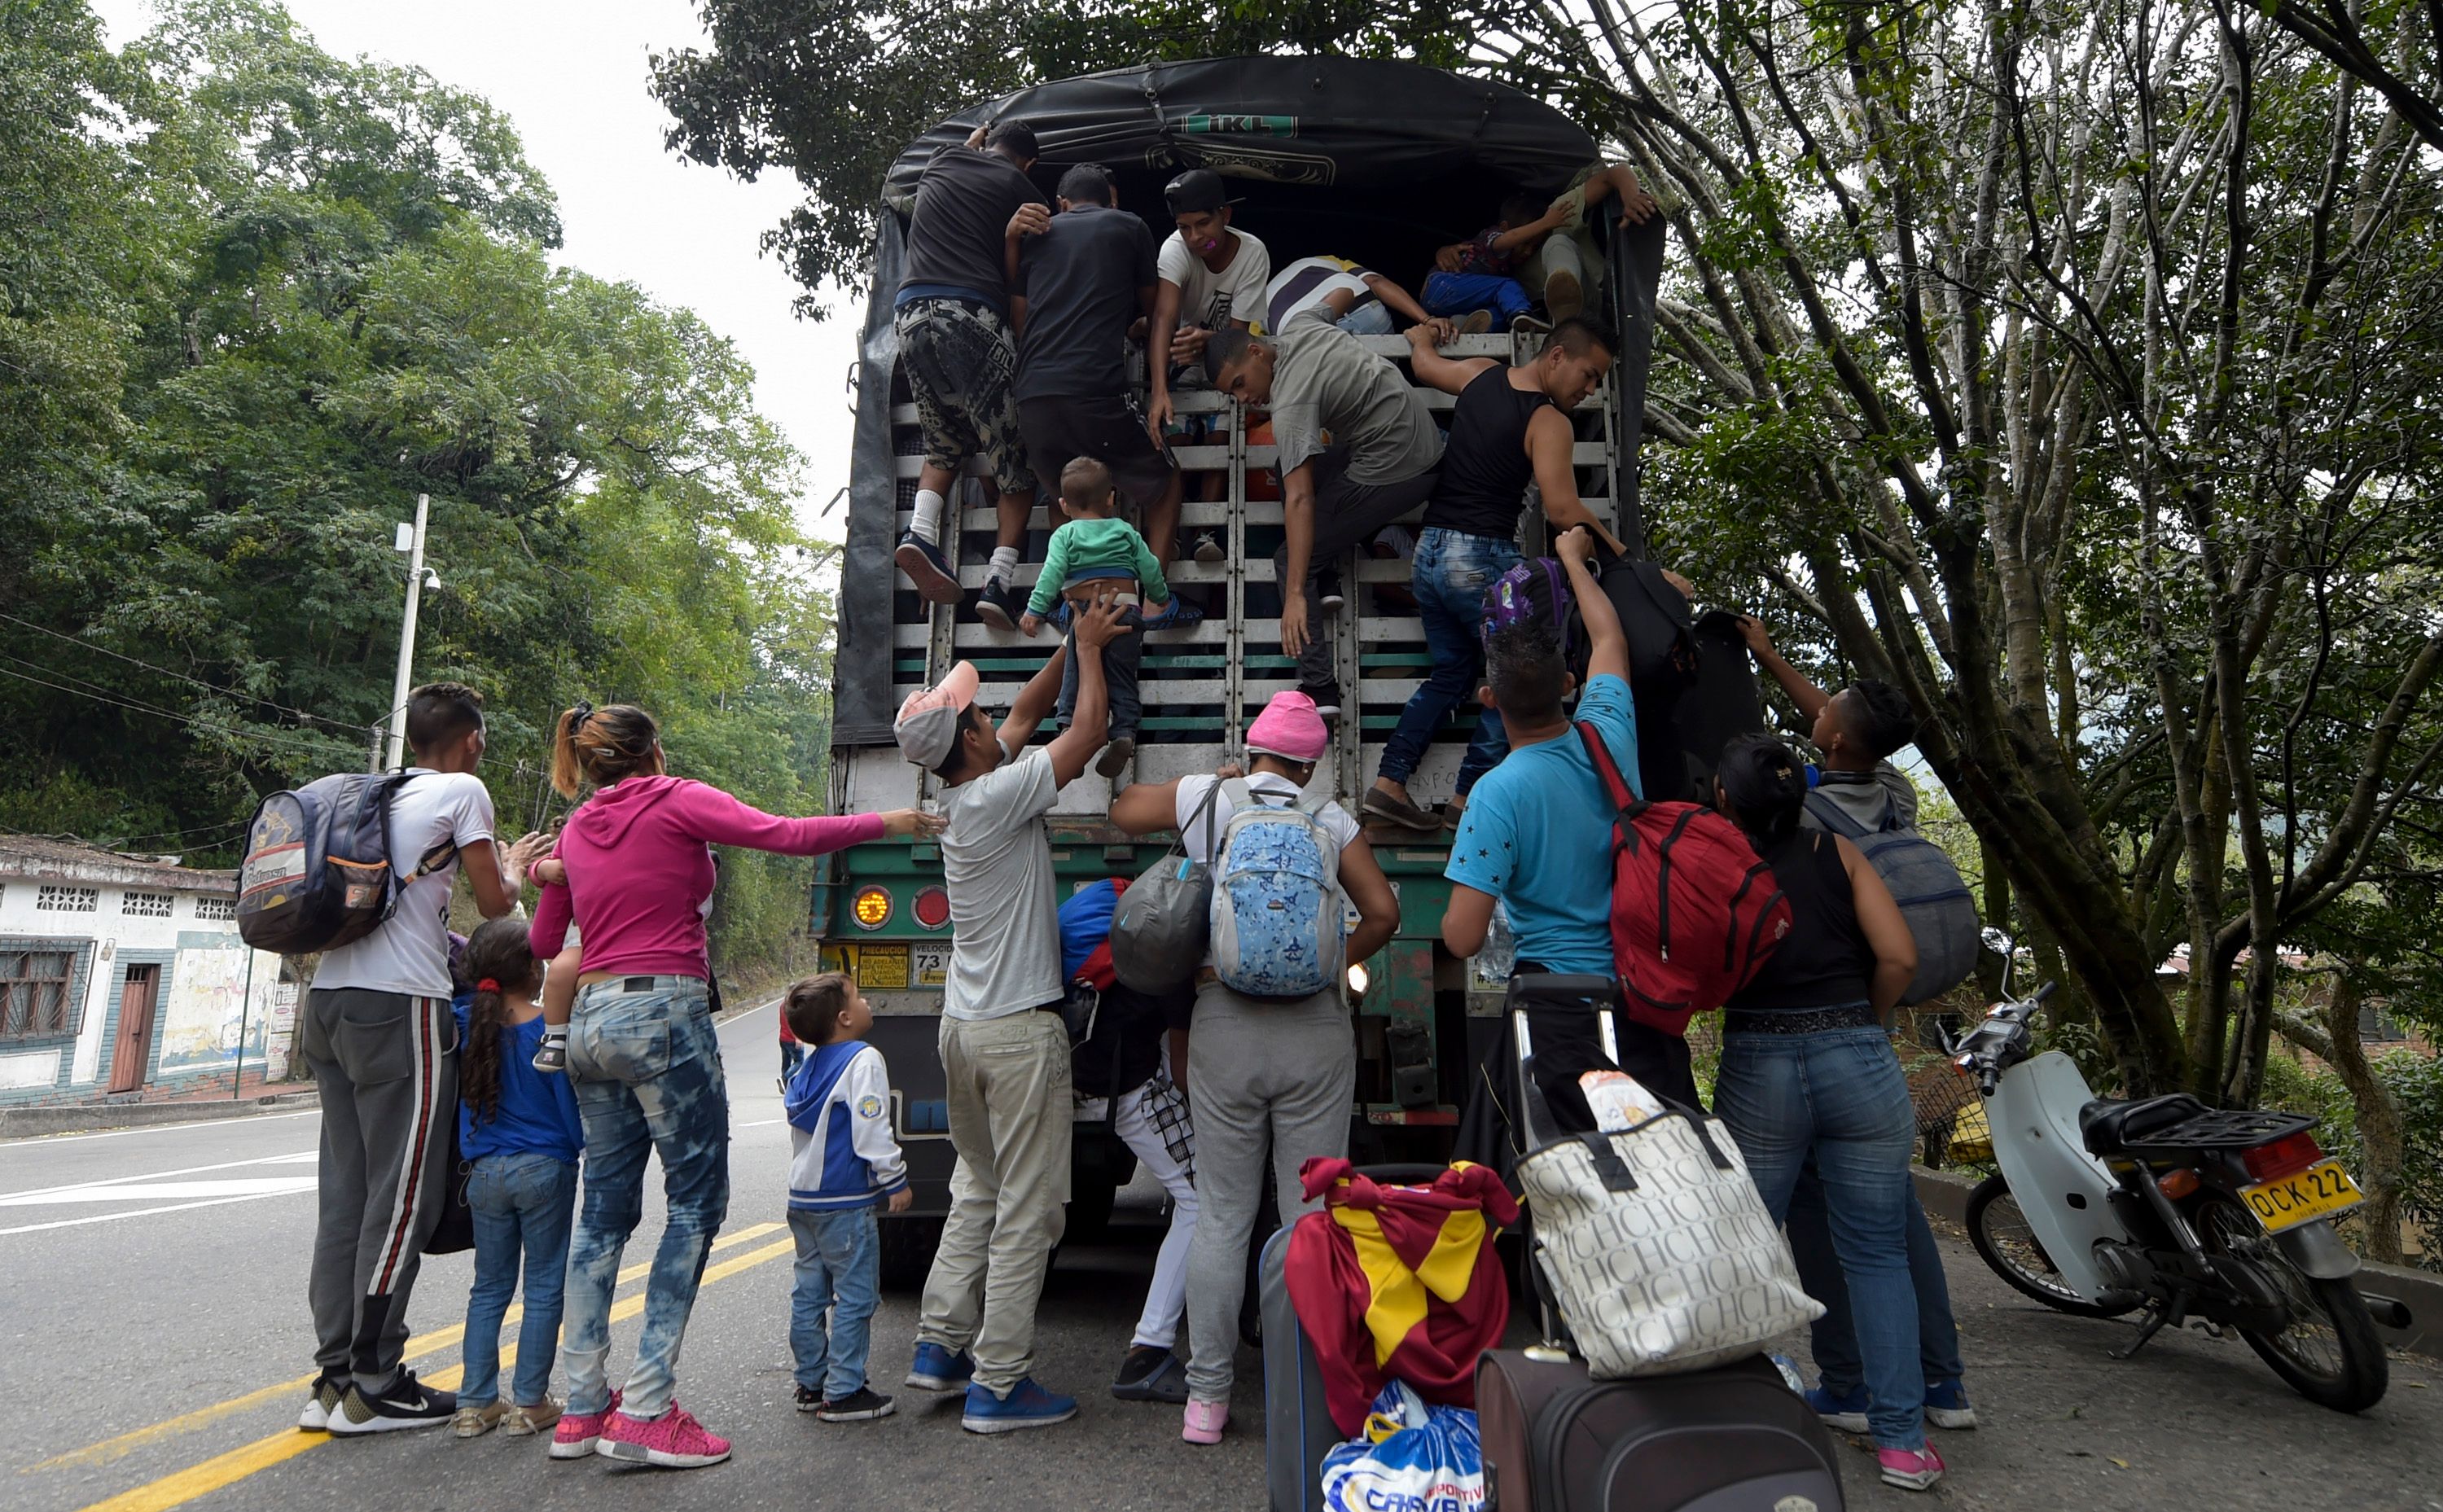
(1377, 161)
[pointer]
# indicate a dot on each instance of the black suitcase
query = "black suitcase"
(1732, 1439)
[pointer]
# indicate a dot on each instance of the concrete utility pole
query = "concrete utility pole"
(410, 541)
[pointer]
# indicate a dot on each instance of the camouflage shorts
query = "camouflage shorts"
(960, 359)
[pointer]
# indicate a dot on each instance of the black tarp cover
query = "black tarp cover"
(1306, 120)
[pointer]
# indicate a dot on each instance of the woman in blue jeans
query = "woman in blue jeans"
(642, 1049)
(521, 1130)
(1808, 1073)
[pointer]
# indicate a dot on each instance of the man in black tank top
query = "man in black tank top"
(1510, 428)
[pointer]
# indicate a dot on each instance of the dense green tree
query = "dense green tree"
(264, 298)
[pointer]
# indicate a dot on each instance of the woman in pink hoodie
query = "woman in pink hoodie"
(641, 1046)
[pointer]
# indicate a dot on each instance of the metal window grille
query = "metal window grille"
(34, 993)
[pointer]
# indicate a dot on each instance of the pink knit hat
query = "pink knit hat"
(1289, 728)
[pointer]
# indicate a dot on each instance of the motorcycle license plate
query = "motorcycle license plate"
(2319, 1192)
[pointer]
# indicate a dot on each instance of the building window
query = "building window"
(34, 1001)
(52, 897)
(147, 904)
(212, 906)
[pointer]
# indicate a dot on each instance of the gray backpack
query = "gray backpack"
(1161, 928)
(1940, 911)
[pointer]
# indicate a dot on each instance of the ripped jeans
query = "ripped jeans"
(649, 1080)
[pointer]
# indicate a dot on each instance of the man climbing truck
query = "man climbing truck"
(1384, 162)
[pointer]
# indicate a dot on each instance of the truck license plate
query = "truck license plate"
(2319, 1192)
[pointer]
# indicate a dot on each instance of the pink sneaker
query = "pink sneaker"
(1910, 1470)
(675, 1440)
(575, 1437)
(1205, 1422)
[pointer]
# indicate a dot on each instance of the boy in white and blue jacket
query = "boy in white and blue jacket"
(845, 1165)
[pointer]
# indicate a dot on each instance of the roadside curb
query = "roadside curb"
(1945, 1195)
(92, 1117)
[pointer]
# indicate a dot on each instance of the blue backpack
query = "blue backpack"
(317, 872)
(1278, 923)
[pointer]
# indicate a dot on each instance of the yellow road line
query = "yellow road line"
(182, 1486)
(421, 1345)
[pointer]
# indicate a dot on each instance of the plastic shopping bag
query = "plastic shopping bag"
(1409, 1456)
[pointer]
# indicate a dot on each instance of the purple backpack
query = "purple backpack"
(1537, 590)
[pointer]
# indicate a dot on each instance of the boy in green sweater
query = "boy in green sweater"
(1098, 554)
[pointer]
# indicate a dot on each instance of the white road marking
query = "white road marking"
(762, 1122)
(292, 1158)
(158, 1191)
(45, 1142)
(139, 1212)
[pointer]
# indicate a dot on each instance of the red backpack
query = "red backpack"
(1694, 914)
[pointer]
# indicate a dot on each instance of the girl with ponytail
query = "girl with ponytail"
(634, 876)
(519, 1129)
(1808, 1074)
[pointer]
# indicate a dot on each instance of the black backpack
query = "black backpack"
(317, 872)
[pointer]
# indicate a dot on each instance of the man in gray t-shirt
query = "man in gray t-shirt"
(1004, 1048)
(1383, 463)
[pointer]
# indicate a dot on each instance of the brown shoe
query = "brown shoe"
(1116, 757)
(474, 1421)
(1379, 805)
(541, 1417)
(1477, 323)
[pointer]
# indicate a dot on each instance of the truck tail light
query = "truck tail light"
(871, 907)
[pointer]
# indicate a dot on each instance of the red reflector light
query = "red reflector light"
(934, 908)
(2282, 1157)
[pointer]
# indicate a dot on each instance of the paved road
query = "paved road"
(159, 1341)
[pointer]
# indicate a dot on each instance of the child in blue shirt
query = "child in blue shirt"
(845, 1164)
(518, 1128)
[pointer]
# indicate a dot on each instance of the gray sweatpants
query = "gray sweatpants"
(1346, 512)
(384, 1064)
(1263, 1079)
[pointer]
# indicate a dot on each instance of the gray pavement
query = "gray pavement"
(150, 1349)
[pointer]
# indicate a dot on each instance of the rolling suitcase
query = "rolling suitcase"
(1298, 1430)
(1731, 1439)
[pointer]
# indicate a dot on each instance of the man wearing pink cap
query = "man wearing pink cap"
(1005, 1048)
(1267, 1076)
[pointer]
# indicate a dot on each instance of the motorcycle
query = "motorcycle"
(2106, 1206)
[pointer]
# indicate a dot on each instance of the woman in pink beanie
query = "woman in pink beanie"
(1269, 1077)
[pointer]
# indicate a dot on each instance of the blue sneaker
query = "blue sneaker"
(1946, 1406)
(1177, 614)
(1846, 1412)
(1026, 1406)
(936, 580)
(936, 1369)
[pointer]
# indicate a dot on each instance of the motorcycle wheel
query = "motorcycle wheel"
(2329, 1353)
(2004, 1240)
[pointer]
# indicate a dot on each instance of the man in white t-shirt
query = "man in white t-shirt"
(1270, 1077)
(377, 1032)
(1005, 1047)
(1210, 276)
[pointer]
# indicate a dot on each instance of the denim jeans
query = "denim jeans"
(649, 1081)
(1466, 293)
(1835, 1335)
(1840, 1098)
(1121, 709)
(1374, 318)
(1449, 576)
(839, 1268)
(523, 1206)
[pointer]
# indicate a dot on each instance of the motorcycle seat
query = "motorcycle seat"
(2108, 1125)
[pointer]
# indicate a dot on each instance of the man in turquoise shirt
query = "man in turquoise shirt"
(1537, 836)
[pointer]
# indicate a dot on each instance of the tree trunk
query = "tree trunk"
(2335, 1041)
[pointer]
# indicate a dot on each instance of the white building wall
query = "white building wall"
(151, 920)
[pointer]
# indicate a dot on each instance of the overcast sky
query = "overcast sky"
(571, 73)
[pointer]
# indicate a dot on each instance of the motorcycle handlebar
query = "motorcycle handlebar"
(2044, 991)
